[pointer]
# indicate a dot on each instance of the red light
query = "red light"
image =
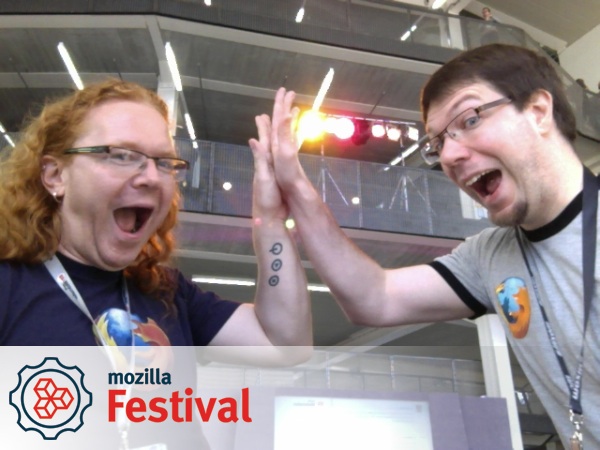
(362, 131)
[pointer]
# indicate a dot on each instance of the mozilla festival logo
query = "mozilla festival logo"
(50, 398)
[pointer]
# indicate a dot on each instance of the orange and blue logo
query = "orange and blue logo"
(50, 398)
(513, 298)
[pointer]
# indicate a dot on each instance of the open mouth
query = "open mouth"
(486, 183)
(132, 219)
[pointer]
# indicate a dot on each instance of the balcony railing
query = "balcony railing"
(361, 195)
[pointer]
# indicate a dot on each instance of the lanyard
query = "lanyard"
(64, 281)
(588, 238)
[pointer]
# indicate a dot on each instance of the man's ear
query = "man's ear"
(541, 105)
(52, 176)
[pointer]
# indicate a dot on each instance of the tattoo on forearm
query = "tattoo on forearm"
(276, 264)
(276, 249)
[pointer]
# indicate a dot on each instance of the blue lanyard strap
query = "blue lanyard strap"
(590, 209)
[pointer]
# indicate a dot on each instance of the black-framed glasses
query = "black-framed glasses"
(457, 129)
(128, 159)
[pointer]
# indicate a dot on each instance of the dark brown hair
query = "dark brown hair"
(515, 72)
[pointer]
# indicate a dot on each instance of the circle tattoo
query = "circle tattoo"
(276, 265)
(274, 280)
(276, 249)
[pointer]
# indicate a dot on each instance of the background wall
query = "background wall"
(581, 59)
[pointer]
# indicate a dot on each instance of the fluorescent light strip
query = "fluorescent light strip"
(172, 62)
(300, 15)
(405, 154)
(323, 90)
(2, 130)
(223, 281)
(438, 4)
(318, 288)
(190, 126)
(246, 282)
(70, 66)
(9, 140)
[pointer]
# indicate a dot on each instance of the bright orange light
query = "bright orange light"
(344, 128)
(378, 130)
(311, 125)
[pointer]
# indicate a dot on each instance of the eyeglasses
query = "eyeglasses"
(458, 127)
(128, 159)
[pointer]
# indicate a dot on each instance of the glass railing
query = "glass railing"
(361, 195)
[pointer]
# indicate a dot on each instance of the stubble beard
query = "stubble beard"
(514, 218)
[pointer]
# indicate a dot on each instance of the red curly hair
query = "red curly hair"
(30, 223)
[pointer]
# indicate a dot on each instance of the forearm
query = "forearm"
(355, 279)
(282, 302)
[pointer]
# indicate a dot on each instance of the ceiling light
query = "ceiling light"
(2, 130)
(393, 133)
(300, 15)
(396, 160)
(290, 223)
(410, 150)
(378, 130)
(405, 36)
(204, 279)
(64, 54)
(310, 125)
(318, 288)
(207, 2)
(413, 133)
(344, 128)
(355, 201)
(224, 281)
(172, 62)
(227, 186)
(438, 4)
(362, 132)
(190, 126)
(9, 140)
(323, 90)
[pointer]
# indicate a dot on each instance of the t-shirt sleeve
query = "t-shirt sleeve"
(462, 271)
(205, 311)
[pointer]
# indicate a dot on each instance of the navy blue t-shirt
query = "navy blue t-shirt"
(34, 310)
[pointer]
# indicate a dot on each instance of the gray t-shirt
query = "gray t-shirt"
(488, 272)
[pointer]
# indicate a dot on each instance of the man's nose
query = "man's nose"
(453, 151)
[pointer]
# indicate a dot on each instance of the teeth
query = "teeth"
(477, 177)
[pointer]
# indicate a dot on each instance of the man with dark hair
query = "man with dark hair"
(486, 13)
(499, 124)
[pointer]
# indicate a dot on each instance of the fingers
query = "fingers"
(260, 147)
(284, 117)
(278, 107)
(276, 130)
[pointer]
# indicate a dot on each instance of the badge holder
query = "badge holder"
(577, 438)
